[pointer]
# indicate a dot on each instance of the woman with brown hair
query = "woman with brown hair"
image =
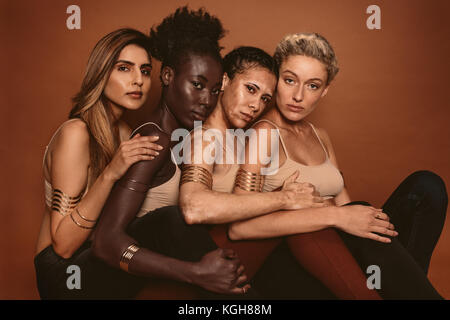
(89, 153)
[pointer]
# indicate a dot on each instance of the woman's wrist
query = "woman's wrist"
(334, 216)
(192, 272)
(107, 177)
(284, 199)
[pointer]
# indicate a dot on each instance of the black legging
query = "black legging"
(417, 208)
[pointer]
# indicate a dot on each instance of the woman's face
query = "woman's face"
(129, 82)
(193, 89)
(301, 84)
(247, 95)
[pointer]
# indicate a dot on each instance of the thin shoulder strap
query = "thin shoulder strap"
(320, 140)
(53, 136)
(143, 125)
(279, 134)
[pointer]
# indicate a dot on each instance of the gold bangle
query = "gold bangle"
(127, 256)
(79, 224)
(134, 185)
(83, 217)
(62, 203)
(194, 173)
(249, 181)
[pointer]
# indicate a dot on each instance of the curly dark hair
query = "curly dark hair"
(186, 32)
(243, 58)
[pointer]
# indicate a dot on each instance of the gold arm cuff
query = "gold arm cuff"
(249, 181)
(79, 224)
(127, 256)
(83, 217)
(193, 173)
(62, 203)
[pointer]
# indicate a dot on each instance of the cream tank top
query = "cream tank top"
(165, 194)
(325, 177)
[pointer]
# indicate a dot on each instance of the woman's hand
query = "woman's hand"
(364, 221)
(300, 195)
(221, 271)
(129, 152)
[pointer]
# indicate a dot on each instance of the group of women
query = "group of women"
(119, 206)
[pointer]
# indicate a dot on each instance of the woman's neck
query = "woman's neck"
(166, 119)
(276, 116)
(218, 118)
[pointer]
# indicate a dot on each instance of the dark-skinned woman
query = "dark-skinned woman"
(136, 234)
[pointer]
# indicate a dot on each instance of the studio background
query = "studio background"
(386, 112)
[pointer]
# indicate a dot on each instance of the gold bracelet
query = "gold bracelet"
(62, 203)
(127, 256)
(78, 224)
(194, 173)
(249, 181)
(83, 217)
(134, 185)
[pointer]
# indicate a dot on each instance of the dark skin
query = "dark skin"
(189, 93)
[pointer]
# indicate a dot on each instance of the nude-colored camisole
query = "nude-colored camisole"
(165, 194)
(325, 177)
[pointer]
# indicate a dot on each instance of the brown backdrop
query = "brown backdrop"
(386, 112)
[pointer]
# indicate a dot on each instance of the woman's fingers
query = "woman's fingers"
(240, 280)
(143, 151)
(384, 230)
(143, 144)
(140, 157)
(379, 214)
(383, 223)
(378, 238)
(240, 270)
(242, 290)
(318, 199)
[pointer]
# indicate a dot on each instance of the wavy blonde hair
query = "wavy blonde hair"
(91, 106)
(311, 45)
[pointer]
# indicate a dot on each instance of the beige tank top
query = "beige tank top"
(325, 177)
(165, 194)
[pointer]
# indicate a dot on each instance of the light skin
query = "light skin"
(301, 85)
(243, 99)
(68, 160)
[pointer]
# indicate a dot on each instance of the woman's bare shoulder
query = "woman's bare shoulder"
(72, 134)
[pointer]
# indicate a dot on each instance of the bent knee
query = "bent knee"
(431, 184)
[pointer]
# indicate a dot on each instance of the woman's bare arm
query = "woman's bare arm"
(201, 205)
(358, 220)
(69, 173)
(124, 202)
